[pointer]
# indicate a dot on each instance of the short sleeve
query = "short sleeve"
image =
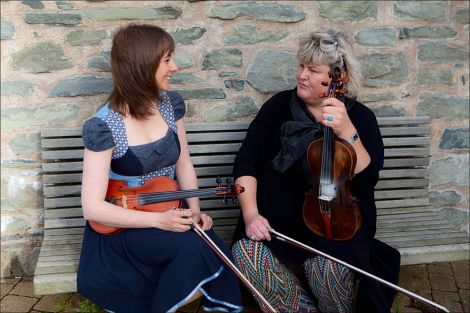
(96, 135)
(178, 104)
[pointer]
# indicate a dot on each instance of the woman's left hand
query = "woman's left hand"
(203, 220)
(334, 115)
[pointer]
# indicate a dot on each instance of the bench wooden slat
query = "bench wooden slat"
(52, 203)
(405, 163)
(400, 193)
(403, 120)
(64, 223)
(216, 137)
(51, 240)
(402, 210)
(63, 213)
(384, 204)
(406, 141)
(50, 262)
(57, 269)
(62, 167)
(408, 152)
(214, 148)
(63, 231)
(401, 183)
(396, 173)
(62, 143)
(404, 131)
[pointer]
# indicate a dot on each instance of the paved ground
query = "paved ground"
(446, 283)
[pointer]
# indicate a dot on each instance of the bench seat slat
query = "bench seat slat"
(57, 269)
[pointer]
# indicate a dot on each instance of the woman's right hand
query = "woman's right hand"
(176, 220)
(257, 228)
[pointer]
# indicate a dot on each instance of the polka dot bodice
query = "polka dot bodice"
(150, 160)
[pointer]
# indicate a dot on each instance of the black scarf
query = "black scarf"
(298, 133)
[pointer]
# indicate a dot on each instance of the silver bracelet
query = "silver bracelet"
(353, 138)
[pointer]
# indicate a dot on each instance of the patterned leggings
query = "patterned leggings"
(331, 283)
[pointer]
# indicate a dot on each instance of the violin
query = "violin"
(329, 209)
(156, 195)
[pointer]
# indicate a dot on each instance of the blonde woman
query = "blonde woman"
(272, 167)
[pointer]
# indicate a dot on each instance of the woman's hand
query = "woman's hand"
(203, 220)
(334, 115)
(257, 228)
(176, 220)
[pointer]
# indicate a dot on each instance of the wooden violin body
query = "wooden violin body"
(159, 194)
(344, 218)
(329, 209)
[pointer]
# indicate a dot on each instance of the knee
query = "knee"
(253, 252)
(193, 245)
(322, 267)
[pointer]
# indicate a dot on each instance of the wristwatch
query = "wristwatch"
(353, 138)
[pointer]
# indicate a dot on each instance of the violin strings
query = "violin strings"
(169, 195)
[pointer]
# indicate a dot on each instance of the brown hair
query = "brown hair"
(135, 56)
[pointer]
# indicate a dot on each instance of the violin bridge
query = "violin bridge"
(325, 198)
(124, 201)
(327, 192)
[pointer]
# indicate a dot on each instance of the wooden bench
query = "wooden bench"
(405, 219)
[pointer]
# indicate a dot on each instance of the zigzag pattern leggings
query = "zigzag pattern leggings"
(331, 283)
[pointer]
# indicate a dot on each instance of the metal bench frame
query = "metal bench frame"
(405, 219)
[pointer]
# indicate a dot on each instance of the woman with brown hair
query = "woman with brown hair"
(156, 264)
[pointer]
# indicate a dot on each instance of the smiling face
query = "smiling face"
(309, 82)
(165, 70)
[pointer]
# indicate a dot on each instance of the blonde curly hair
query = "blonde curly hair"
(332, 48)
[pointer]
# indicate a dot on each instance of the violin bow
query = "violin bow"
(232, 266)
(294, 242)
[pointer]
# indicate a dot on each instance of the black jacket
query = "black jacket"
(280, 196)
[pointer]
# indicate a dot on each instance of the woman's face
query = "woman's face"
(165, 70)
(309, 82)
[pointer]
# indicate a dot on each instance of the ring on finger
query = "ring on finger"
(330, 118)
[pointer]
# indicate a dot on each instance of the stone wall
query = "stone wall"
(233, 56)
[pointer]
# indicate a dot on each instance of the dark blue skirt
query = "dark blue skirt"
(152, 270)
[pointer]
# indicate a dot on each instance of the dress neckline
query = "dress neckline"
(150, 143)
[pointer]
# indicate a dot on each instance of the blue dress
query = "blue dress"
(149, 269)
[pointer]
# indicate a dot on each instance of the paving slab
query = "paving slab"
(440, 267)
(24, 288)
(442, 282)
(50, 303)
(13, 303)
(5, 288)
(465, 300)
